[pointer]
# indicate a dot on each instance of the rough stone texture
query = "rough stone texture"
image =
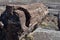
(50, 22)
(44, 34)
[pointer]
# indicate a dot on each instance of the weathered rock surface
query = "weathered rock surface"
(50, 22)
(45, 34)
